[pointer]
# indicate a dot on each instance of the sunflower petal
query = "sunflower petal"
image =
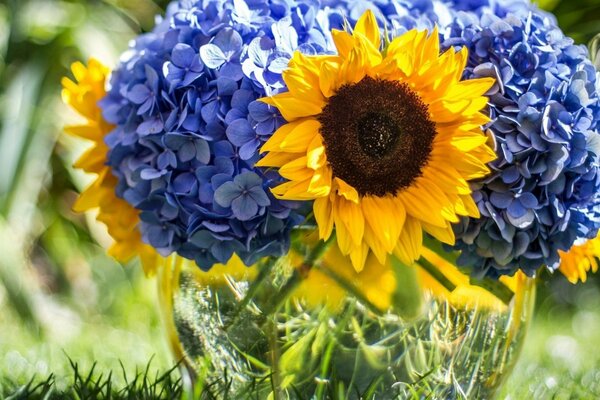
(323, 210)
(367, 26)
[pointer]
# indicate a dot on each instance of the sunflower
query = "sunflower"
(579, 260)
(120, 218)
(384, 141)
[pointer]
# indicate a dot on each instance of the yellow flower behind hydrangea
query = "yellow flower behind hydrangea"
(120, 218)
(384, 142)
(579, 260)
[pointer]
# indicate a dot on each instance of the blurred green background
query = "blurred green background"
(61, 297)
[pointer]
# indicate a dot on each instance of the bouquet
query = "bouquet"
(391, 152)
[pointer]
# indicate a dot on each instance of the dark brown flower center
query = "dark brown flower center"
(377, 135)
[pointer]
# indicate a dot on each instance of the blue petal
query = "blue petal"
(501, 200)
(516, 209)
(166, 159)
(241, 99)
(223, 149)
(187, 151)
(244, 208)
(190, 77)
(203, 239)
(523, 221)
(214, 227)
(279, 65)
(229, 41)
(240, 132)
(260, 111)
(152, 78)
(232, 70)
(151, 173)
(248, 180)
(212, 56)
(528, 200)
(510, 175)
(151, 126)
(159, 237)
(266, 127)
(224, 165)
(182, 55)
(206, 193)
(210, 112)
(501, 250)
(250, 149)
(226, 193)
(226, 86)
(184, 183)
(138, 94)
(222, 251)
(174, 73)
(259, 51)
(202, 151)
(259, 195)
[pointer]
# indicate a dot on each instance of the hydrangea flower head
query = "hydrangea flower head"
(543, 192)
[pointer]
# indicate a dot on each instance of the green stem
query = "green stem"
(495, 287)
(299, 274)
(407, 298)
(436, 274)
(274, 346)
(350, 288)
(263, 274)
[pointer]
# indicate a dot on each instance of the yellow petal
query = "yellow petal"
(298, 139)
(90, 131)
(280, 134)
(431, 50)
(321, 182)
(293, 108)
(296, 170)
(420, 204)
(346, 190)
(324, 216)
(87, 200)
(276, 159)
(293, 191)
(375, 244)
(471, 88)
(329, 79)
(386, 218)
(349, 215)
(315, 155)
(343, 42)
(367, 26)
(444, 235)
(358, 256)
(410, 242)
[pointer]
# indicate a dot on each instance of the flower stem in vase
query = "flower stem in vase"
(298, 274)
(407, 299)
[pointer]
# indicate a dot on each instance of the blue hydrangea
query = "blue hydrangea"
(542, 193)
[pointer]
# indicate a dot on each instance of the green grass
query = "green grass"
(561, 360)
(95, 385)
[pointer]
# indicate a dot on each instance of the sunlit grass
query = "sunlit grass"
(111, 318)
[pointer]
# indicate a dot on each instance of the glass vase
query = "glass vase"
(309, 326)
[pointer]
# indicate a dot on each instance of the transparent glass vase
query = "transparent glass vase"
(307, 326)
